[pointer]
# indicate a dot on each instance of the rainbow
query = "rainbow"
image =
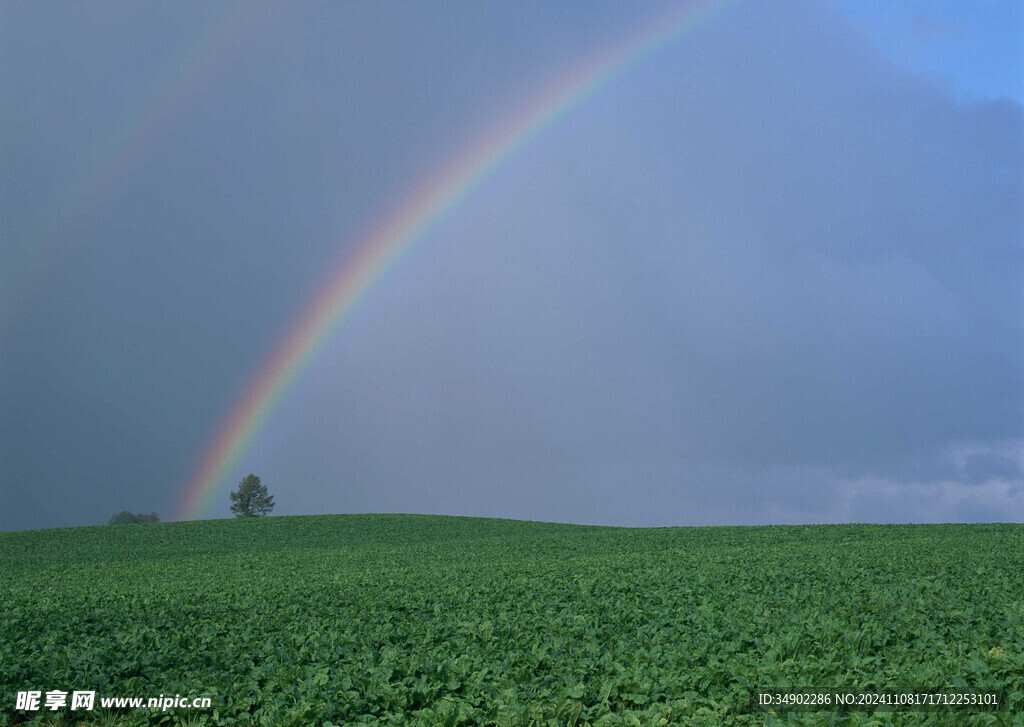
(378, 251)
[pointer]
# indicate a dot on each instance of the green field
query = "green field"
(406, 619)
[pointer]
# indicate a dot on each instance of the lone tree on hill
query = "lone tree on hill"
(251, 498)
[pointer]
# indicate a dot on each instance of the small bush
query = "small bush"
(127, 518)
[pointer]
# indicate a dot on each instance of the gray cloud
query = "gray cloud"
(763, 277)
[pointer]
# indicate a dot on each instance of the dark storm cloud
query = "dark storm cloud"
(765, 276)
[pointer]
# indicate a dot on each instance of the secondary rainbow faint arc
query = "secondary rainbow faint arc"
(380, 249)
(175, 89)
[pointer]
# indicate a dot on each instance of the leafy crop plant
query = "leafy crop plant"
(421, 620)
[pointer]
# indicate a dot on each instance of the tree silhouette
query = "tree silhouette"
(126, 518)
(251, 498)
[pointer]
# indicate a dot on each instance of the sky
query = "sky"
(769, 273)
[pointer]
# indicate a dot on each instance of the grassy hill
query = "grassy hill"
(408, 619)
